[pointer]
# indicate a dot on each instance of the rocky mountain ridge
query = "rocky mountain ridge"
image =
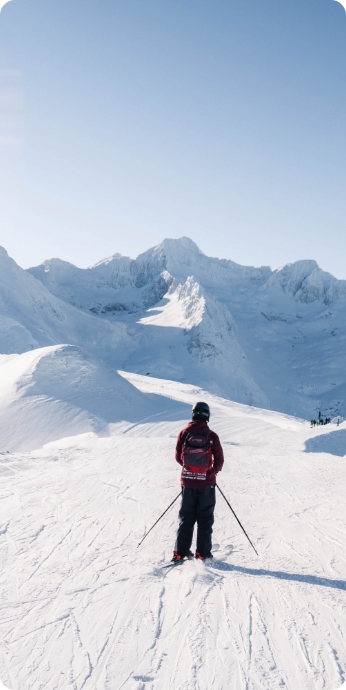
(273, 339)
(303, 280)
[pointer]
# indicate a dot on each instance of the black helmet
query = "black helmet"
(201, 411)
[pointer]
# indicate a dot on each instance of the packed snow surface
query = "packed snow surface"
(83, 609)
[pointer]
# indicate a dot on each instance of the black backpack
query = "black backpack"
(196, 455)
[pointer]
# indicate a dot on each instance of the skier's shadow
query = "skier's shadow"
(279, 575)
(333, 443)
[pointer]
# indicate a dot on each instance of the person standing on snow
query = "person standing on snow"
(200, 453)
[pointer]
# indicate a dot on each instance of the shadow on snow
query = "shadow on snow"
(333, 443)
(279, 575)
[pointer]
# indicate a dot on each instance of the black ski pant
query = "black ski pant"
(197, 505)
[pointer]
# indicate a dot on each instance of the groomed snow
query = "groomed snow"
(83, 608)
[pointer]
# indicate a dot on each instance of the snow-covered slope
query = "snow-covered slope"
(55, 392)
(84, 609)
(195, 337)
(31, 317)
(305, 281)
(87, 466)
(271, 338)
(117, 284)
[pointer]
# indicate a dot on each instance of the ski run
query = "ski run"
(83, 609)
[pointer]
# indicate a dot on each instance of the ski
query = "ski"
(173, 564)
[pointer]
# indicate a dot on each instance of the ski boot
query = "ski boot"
(203, 558)
(177, 557)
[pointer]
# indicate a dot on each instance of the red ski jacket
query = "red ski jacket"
(217, 454)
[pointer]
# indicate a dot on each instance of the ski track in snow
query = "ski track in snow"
(83, 609)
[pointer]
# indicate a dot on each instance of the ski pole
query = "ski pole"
(238, 521)
(161, 516)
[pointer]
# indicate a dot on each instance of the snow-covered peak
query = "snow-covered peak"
(307, 282)
(304, 266)
(182, 258)
(31, 316)
(55, 267)
(242, 331)
(108, 260)
(85, 288)
(175, 251)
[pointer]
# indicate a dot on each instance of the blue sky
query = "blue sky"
(122, 123)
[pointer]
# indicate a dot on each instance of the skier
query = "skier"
(200, 453)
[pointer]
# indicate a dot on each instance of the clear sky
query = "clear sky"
(125, 122)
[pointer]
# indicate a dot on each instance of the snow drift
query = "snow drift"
(56, 392)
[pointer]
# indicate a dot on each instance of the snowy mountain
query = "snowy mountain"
(32, 317)
(275, 339)
(98, 372)
(305, 281)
